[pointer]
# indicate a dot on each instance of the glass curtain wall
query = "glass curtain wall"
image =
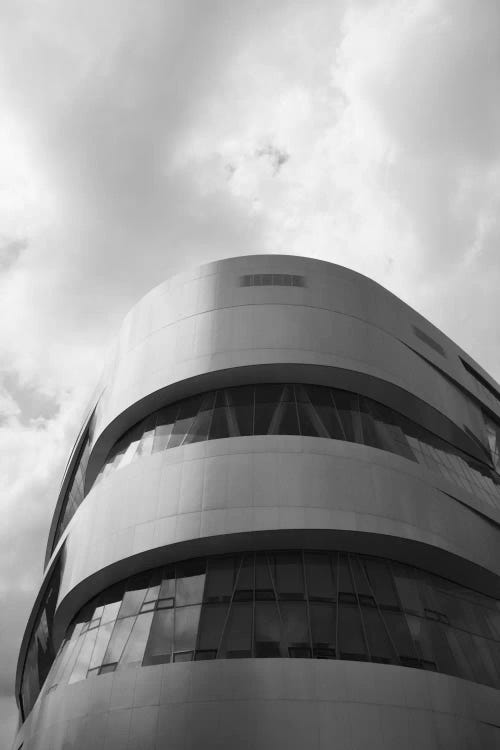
(290, 409)
(40, 653)
(74, 494)
(308, 410)
(285, 604)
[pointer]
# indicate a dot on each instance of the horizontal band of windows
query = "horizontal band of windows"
(286, 409)
(294, 409)
(288, 604)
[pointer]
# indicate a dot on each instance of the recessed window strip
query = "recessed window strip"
(307, 410)
(287, 409)
(281, 604)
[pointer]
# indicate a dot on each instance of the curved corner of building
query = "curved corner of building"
(279, 526)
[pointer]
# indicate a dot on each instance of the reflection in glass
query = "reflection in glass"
(288, 604)
(291, 409)
(308, 410)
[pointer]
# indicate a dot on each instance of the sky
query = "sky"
(138, 139)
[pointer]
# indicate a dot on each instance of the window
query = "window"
(40, 652)
(307, 410)
(287, 604)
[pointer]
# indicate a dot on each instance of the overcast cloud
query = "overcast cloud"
(139, 138)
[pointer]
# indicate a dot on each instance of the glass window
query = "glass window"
(133, 440)
(190, 582)
(213, 618)
(71, 659)
(188, 409)
(347, 409)
(241, 410)
(362, 586)
(135, 594)
(381, 429)
(296, 628)
(321, 576)
(318, 412)
(351, 637)
(407, 584)
(167, 586)
(286, 570)
(323, 629)
(381, 583)
(264, 584)
(159, 646)
(165, 420)
(379, 644)
(145, 446)
(40, 652)
(267, 604)
(268, 640)
(245, 580)
(222, 425)
(81, 666)
(200, 426)
(310, 422)
(133, 652)
(291, 409)
(221, 578)
(346, 588)
(400, 635)
(186, 627)
(102, 640)
(119, 638)
(237, 638)
(267, 399)
(285, 417)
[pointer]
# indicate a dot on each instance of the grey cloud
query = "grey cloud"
(276, 156)
(10, 251)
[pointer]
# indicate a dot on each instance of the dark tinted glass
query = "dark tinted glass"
(321, 576)
(188, 410)
(165, 419)
(201, 424)
(289, 409)
(213, 618)
(241, 409)
(267, 629)
(289, 604)
(222, 424)
(237, 637)
(286, 568)
(221, 577)
(268, 401)
(296, 628)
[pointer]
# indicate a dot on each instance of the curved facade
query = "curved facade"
(278, 528)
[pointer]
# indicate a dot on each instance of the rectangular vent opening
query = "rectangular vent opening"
(480, 379)
(272, 279)
(429, 341)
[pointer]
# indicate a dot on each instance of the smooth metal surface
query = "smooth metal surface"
(203, 330)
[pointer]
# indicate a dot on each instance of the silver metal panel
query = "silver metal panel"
(202, 330)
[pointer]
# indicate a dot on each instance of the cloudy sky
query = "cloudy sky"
(140, 138)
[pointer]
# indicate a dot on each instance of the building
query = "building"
(278, 529)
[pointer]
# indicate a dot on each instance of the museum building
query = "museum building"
(278, 528)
